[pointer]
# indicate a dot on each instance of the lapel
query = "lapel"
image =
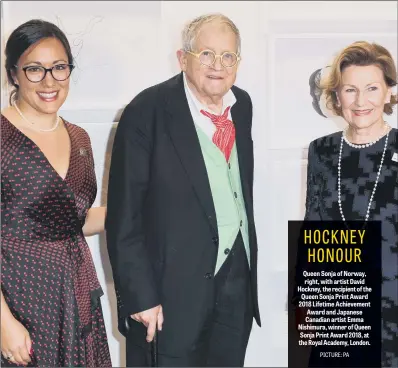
(243, 151)
(183, 134)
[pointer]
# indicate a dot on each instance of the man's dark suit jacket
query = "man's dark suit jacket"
(161, 223)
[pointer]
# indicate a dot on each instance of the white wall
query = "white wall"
(124, 47)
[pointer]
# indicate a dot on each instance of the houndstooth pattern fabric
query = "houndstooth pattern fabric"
(358, 172)
(48, 277)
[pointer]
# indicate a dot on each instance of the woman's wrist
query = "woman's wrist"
(6, 314)
(6, 317)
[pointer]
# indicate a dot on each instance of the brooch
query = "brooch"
(83, 152)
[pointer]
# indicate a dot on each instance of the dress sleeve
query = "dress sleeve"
(311, 214)
(313, 190)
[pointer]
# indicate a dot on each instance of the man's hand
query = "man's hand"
(150, 318)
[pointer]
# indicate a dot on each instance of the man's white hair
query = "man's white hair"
(192, 29)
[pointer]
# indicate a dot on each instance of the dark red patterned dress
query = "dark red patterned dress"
(48, 277)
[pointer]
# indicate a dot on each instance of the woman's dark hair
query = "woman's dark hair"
(26, 35)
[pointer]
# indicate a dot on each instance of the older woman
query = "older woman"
(353, 175)
(50, 307)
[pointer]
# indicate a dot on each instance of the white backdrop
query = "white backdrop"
(123, 47)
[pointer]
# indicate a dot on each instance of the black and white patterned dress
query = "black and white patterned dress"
(358, 174)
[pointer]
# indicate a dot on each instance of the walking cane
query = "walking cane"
(154, 343)
(154, 349)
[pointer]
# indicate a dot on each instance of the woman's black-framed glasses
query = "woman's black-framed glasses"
(36, 73)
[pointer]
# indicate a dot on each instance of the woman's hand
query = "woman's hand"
(15, 341)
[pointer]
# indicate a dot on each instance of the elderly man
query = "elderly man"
(180, 228)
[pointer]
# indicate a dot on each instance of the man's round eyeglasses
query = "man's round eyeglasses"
(209, 57)
(36, 73)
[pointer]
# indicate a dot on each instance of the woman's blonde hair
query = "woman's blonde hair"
(359, 53)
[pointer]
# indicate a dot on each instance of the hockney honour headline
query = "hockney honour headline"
(333, 237)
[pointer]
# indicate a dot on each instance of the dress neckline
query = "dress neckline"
(68, 129)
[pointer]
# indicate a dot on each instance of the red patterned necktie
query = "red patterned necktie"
(224, 137)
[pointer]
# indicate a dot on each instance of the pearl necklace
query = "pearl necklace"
(371, 143)
(377, 178)
(30, 123)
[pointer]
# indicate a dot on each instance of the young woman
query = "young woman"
(50, 295)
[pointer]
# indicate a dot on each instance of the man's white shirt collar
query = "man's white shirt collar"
(195, 106)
